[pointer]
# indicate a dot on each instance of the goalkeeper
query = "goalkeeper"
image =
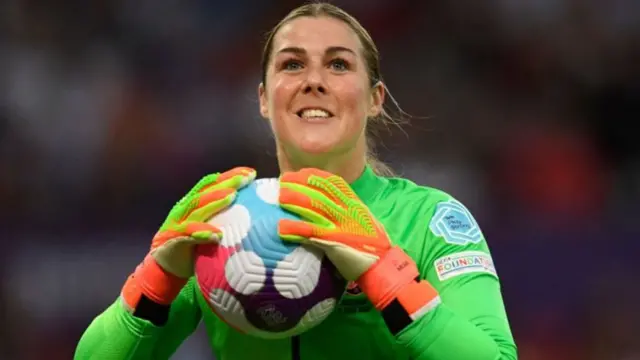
(423, 284)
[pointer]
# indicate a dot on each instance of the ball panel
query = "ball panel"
(297, 274)
(245, 272)
(269, 310)
(229, 309)
(318, 313)
(234, 222)
(265, 242)
(268, 190)
(209, 267)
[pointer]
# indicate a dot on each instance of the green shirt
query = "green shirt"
(433, 228)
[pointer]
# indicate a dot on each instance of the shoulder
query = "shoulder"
(404, 190)
(449, 242)
(442, 214)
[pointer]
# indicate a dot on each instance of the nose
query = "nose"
(318, 89)
(314, 83)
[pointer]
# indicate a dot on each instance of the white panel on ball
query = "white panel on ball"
(235, 223)
(245, 272)
(297, 274)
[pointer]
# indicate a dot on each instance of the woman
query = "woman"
(423, 285)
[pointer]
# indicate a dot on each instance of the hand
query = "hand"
(186, 226)
(169, 263)
(337, 221)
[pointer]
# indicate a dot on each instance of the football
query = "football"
(257, 283)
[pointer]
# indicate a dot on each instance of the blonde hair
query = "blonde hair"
(372, 61)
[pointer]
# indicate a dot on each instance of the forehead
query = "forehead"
(316, 33)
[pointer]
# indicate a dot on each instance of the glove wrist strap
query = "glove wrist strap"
(150, 280)
(393, 286)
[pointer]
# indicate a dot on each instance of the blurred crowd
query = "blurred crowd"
(110, 110)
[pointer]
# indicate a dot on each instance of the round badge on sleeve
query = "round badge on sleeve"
(453, 222)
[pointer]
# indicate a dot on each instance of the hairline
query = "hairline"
(359, 33)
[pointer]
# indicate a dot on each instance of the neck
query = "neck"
(349, 165)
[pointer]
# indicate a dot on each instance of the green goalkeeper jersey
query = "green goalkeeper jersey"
(437, 231)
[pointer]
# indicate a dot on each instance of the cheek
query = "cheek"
(281, 94)
(354, 101)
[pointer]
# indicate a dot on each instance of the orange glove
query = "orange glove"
(338, 222)
(169, 264)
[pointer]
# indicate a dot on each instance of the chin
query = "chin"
(316, 147)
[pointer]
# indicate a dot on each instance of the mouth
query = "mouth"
(314, 114)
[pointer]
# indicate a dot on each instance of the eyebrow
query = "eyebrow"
(330, 50)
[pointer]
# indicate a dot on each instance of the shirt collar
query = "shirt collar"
(368, 184)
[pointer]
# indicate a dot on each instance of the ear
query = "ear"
(377, 99)
(262, 95)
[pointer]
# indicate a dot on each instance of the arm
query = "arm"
(116, 334)
(466, 325)
(457, 315)
(156, 310)
(470, 322)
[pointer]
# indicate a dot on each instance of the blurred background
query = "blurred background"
(525, 110)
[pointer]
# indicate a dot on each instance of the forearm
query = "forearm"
(149, 333)
(470, 323)
(117, 335)
(467, 321)
(442, 334)
(131, 326)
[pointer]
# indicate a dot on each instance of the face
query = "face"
(317, 94)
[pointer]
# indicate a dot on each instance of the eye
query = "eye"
(339, 65)
(291, 65)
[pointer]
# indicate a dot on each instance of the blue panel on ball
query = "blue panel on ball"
(263, 236)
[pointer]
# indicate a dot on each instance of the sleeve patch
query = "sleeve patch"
(464, 262)
(453, 222)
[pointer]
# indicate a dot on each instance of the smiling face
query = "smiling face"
(317, 93)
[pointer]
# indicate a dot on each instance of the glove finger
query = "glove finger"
(302, 176)
(306, 179)
(232, 179)
(245, 175)
(299, 231)
(302, 231)
(183, 232)
(243, 171)
(188, 201)
(235, 178)
(363, 244)
(201, 232)
(331, 185)
(301, 204)
(338, 186)
(204, 182)
(210, 203)
(162, 236)
(302, 196)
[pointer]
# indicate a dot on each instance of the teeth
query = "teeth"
(314, 113)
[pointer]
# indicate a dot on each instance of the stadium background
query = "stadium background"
(110, 110)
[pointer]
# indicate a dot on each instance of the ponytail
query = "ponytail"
(378, 166)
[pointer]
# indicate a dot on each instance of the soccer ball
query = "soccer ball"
(257, 283)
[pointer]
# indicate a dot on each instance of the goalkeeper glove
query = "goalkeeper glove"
(169, 264)
(337, 221)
